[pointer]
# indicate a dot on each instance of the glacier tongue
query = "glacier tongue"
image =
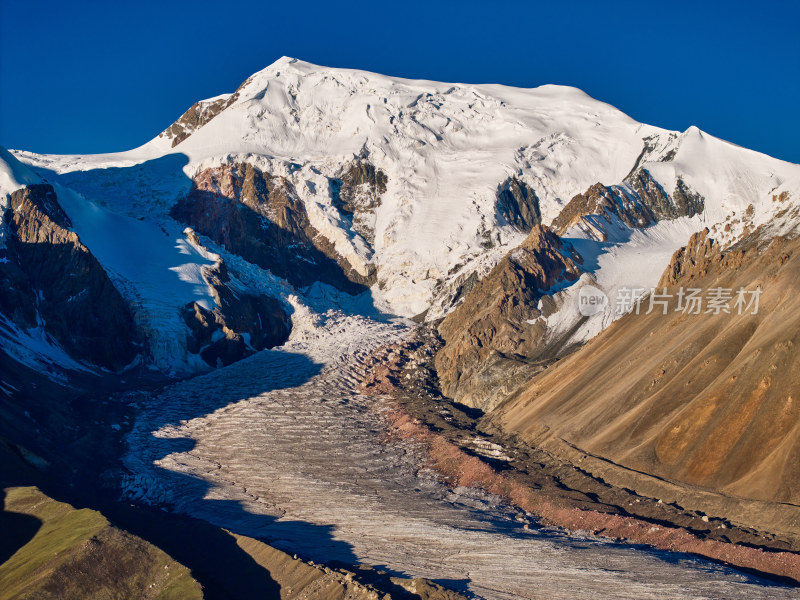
(282, 446)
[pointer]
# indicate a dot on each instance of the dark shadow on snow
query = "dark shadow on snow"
(253, 376)
(226, 226)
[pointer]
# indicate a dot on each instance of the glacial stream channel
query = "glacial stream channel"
(282, 447)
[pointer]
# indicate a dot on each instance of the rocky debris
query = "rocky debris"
(549, 489)
(383, 371)
(490, 339)
(371, 583)
(259, 217)
(301, 438)
(407, 367)
(518, 204)
(155, 554)
(357, 192)
(49, 278)
(640, 202)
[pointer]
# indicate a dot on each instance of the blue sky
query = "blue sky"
(79, 77)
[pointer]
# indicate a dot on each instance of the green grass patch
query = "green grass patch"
(76, 553)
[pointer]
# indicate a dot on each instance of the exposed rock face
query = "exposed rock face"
(357, 193)
(657, 148)
(259, 217)
(691, 261)
(198, 115)
(488, 341)
(239, 325)
(684, 202)
(601, 200)
(640, 203)
(704, 399)
(517, 204)
(48, 277)
(193, 119)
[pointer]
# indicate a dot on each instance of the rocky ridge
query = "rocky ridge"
(639, 202)
(239, 324)
(357, 192)
(491, 339)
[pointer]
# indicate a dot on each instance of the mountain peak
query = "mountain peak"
(284, 60)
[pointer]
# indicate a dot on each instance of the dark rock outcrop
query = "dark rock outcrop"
(239, 325)
(602, 200)
(357, 193)
(48, 277)
(686, 202)
(683, 203)
(259, 217)
(655, 148)
(193, 119)
(518, 204)
(488, 339)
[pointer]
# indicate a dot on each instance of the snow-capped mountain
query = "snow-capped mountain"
(406, 191)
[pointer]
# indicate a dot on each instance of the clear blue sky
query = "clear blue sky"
(103, 76)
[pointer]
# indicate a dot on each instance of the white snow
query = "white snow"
(37, 350)
(14, 174)
(444, 147)
(273, 434)
(636, 261)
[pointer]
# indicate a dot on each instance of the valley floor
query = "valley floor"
(283, 447)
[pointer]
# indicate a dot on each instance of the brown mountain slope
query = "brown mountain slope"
(708, 400)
